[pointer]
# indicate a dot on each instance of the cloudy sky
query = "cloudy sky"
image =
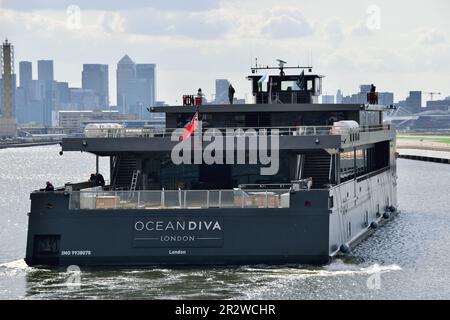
(398, 45)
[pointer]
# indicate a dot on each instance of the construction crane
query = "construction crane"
(432, 94)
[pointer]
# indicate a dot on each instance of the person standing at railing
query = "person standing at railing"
(96, 179)
(372, 95)
(49, 186)
(100, 180)
(231, 92)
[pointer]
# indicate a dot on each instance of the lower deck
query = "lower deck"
(238, 227)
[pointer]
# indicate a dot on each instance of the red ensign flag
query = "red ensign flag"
(191, 127)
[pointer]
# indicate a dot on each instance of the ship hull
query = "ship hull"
(311, 231)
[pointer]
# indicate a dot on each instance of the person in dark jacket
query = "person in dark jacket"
(100, 180)
(93, 179)
(231, 92)
(49, 186)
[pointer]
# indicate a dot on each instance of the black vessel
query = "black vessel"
(283, 180)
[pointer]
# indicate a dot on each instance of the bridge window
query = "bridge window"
(289, 86)
(318, 86)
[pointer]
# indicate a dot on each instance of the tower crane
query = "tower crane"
(432, 94)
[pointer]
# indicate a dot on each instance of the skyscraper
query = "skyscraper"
(339, 96)
(95, 77)
(126, 70)
(386, 98)
(327, 99)
(25, 73)
(62, 93)
(45, 70)
(415, 101)
(148, 71)
(222, 91)
(137, 95)
(365, 88)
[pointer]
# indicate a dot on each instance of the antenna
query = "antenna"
(281, 64)
(281, 67)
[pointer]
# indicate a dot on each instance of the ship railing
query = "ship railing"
(225, 131)
(179, 199)
(229, 131)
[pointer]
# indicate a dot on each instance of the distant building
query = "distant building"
(35, 113)
(25, 73)
(357, 98)
(327, 99)
(161, 104)
(126, 70)
(50, 103)
(45, 70)
(62, 94)
(84, 99)
(413, 103)
(365, 88)
(147, 71)
(37, 90)
(95, 77)
(21, 104)
(339, 96)
(443, 105)
(73, 121)
(136, 87)
(386, 98)
(222, 91)
(137, 97)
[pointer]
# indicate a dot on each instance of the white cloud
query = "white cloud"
(284, 23)
(222, 40)
(111, 22)
(200, 25)
(431, 37)
(334, 32)
(361, 30)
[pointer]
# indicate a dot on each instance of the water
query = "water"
(406, 259)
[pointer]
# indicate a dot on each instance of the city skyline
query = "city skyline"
(29, 65)
(371, 43)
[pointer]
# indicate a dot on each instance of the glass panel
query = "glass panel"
(318, 87)
(289, 86)
(180, 199)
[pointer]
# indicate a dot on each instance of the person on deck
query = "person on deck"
(49, 186)
(100, 180)
(231, 92)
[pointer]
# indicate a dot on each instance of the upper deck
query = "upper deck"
(299, 126)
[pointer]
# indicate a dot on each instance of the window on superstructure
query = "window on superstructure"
(289, 86)
(347, 164)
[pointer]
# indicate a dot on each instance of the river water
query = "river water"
(408, 258)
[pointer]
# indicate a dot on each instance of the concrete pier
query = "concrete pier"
(423, 150)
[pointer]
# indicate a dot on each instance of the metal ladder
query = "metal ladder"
(134, 180)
